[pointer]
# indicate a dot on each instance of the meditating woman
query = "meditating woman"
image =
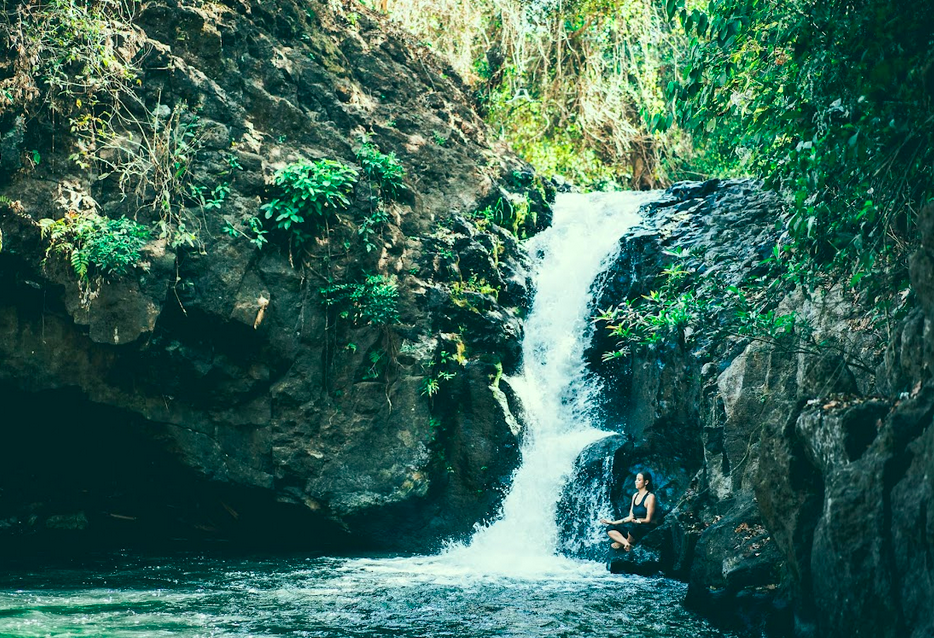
(627, 531)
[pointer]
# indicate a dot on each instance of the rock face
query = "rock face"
(216, 392)
(803, 492)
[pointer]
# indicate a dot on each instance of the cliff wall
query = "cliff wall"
(791, 446)
(240, 382)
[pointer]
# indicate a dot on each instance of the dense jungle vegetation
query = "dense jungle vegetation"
(827, 101)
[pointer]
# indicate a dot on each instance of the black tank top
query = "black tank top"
(639, 510)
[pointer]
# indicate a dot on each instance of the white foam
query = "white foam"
(554, 387)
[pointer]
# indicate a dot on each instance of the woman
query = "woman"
(627, 531)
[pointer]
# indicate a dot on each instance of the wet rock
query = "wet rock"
(735, 571)
(588, 496)
(810, 464)
(11, 145)
(644, 559)
(76, 521)
(601, 486)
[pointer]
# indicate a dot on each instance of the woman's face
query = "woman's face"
(640, 481)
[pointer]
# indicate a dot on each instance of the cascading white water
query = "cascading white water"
(556, 395)
(555, 390)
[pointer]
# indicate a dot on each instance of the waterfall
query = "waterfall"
(554, 385)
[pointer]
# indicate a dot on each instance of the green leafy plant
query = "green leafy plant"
(250, 229)
(686, 303)
(96, 245)
(384, 169)
(516, 216)
(373, 301)
(378, 360)
(368, 227)
(474, 284)
(827, 102)
(430, 387)
(677, 301)
(310, 192)
(213, 200)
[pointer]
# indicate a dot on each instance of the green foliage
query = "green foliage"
(76, 62)
(659, 314)
(374, 301)
(516, 216)
(828, 102)
(384, 169)
(451, 357)
(213, 200)
(378, 359)
(94, 244)
(566, 83)
(692, 297)
(430, 387)
(475, 284)
(368, 227)
(386, 173)
(250, 229)
(310, 192)
(73, 47)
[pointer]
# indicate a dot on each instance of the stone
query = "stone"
(807, 512)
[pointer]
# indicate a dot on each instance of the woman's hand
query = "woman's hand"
(605, 522)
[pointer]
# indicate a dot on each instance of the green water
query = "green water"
(194, 596)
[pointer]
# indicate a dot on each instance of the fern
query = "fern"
(79, 262)
(89, 242)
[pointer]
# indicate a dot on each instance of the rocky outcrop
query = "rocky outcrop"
(804, 507)
(271, 409)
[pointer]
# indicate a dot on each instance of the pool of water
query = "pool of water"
(122, 595)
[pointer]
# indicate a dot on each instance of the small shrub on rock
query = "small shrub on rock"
(310, 191)
(374, 301)
(382, 168)
(90, 243)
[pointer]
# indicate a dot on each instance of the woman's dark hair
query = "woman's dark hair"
(647, 478)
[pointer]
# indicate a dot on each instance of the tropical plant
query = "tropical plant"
(372, 301)
(250, 229)
(830, 103)
(96, 245)
(310, 192)
(368, 227)
(383, 168)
